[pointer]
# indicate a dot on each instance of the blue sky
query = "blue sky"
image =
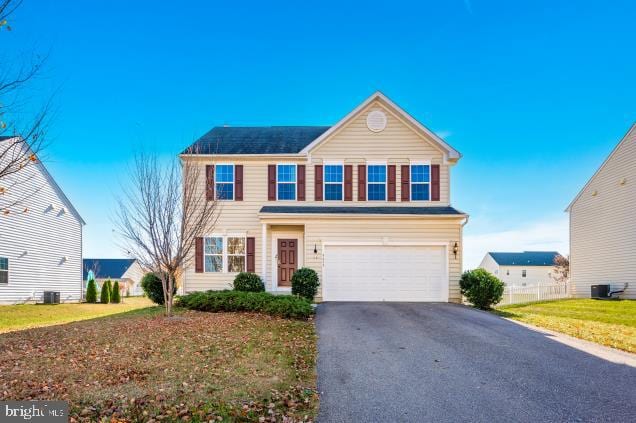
(535, 94)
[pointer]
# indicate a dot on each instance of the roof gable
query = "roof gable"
(630, 135)
(449, 152)
(106, 268)
(525, 258)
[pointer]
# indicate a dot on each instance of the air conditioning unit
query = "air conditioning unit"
(51, 297)
(599, 291)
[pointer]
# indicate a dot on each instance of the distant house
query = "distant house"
(40, 236)
(525, 268)
(127, 272)
(603, 225)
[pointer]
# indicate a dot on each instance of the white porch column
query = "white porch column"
(264, 255)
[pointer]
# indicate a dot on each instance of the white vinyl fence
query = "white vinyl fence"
(525, 294)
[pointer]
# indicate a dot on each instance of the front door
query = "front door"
(287, 260)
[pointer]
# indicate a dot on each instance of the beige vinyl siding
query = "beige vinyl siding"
(43, 244)
(603, 226)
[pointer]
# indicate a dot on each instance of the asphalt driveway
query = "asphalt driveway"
(418, 362)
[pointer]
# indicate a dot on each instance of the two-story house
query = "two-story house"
(365, 203)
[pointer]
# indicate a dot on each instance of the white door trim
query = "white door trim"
(391, 243)
(276, 235)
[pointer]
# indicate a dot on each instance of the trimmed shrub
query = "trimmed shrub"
(105, 294)
(115, 296)
(91, 292)
(305, 283)
(287, 306)
(481, 288)
(151, 284)
(248, 282)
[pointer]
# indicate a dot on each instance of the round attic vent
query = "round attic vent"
(376, 121)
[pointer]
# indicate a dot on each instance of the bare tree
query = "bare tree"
(22, 134)
(160, 216)
(561, 269)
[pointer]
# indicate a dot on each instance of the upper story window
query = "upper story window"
(224, 181)
(376, 182)
(333, 182)
(4, 270)
(420, 182)
(224, 254)
(286, 182)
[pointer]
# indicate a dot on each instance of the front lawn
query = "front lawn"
(23, 316)
(140, 366)
(611, 323)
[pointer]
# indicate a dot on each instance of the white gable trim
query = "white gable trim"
(620, 143)
(451, 152)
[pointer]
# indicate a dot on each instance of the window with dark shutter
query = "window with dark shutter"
(198, 255)
(406, 192)
(251, 248)
(362, 182)
(300, 186)
(318, 183)
(271, 182)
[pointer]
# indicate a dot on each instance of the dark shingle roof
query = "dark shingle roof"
(107, 268)
(361, 210)
(526, 258)
(256, 140)
(6, 137)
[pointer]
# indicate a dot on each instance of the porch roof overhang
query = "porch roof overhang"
(291, 212)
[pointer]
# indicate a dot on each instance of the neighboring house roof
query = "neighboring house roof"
(53, 184)
(526, 258)
(361, 210)
(107, 268)
(624, 139)
(297, 139)
(256, 140)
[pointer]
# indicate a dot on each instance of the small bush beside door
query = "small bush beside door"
(481, 288)
(305, 283)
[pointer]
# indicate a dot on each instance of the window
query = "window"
(221, 253)
(333, 182)
(224, 182)
(286, 182)
(4, 270)
(420, 182)
(376, 182)
(235, 254)
(213, 254)
(523, 273)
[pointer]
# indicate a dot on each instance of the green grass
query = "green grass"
(610, 323)
(25, 316)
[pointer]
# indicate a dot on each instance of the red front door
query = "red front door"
(287, 260)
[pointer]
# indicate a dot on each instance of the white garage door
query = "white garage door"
(385, 273)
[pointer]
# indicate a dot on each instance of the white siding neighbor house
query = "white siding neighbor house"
(527, 268)
(128, 272)
(603, 225)
(40, 238)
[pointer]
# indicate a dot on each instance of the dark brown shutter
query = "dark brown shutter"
(238, 182)
(209, 182)
(198, 255)
(362, 182)
(348, 183)
(271, 182)
(300, 185)
(435, 182)
(406, 182)
(391, 182)
(251, 247)
(318, 183)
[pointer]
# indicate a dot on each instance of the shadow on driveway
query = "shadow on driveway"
(420, 362)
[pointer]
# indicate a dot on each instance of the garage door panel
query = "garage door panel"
(385, 273)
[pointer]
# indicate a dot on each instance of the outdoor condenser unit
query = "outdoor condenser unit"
(600, 291)
(51, 297)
